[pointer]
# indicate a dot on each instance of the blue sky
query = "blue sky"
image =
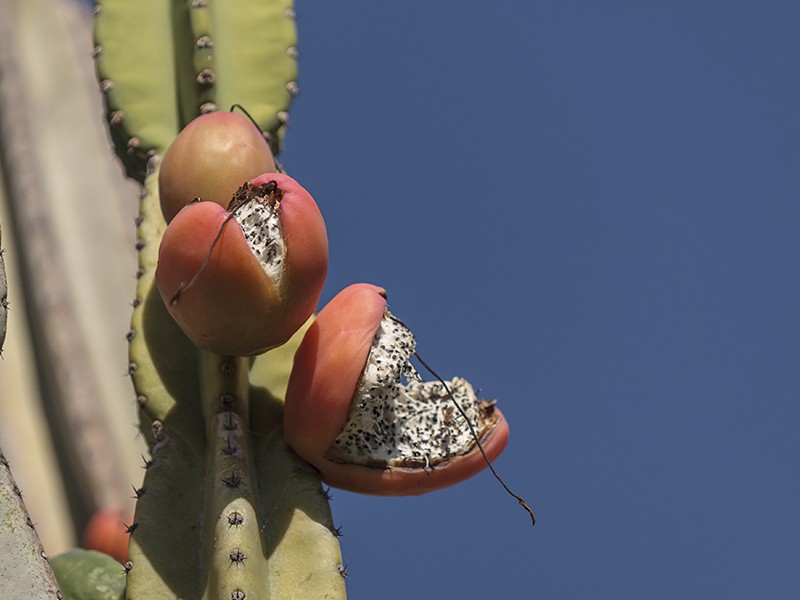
(590, 210)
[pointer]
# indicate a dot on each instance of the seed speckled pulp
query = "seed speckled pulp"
(258, 212)
(396, 419)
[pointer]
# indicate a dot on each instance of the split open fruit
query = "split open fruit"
(358, 411)
(243, 280)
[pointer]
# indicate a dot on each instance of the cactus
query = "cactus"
(225, 509)
(24, 572)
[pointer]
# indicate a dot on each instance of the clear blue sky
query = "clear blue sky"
(591, 210)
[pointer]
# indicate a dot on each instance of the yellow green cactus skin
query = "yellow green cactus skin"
(134, 48)
(161, 63)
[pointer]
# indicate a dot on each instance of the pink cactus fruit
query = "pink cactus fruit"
(106, 532)
(245, 285)
(210, 159)
(358, 411)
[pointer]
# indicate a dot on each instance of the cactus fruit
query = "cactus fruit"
(242, 281)
(210, 159)
(107, 532)
(351, 415)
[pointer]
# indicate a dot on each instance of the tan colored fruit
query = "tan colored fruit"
(210, 159)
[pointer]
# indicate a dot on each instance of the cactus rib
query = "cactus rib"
(136, 68)
(254, 62)
(234, 557)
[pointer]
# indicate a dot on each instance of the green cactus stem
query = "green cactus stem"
(225, 506)
(162, 63)
(24, 570)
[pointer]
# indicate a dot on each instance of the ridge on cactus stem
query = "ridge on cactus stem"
(209, 159)
(358, 411)
(243, 280)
